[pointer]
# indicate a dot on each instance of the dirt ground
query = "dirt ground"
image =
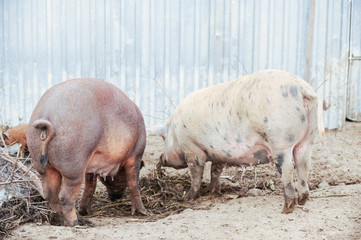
(334, 211)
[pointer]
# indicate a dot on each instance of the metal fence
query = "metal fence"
(159, 51)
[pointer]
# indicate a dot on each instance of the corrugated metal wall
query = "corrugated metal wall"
(330, 57)
(159, 51)
(354, 79)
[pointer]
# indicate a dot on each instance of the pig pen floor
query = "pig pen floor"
(334, 211)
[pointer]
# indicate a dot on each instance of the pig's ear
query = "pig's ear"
(156, 130)
(6, 135)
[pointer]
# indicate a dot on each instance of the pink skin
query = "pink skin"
(86, 127)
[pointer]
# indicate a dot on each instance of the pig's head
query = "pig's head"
(172, 155)
(7, 139)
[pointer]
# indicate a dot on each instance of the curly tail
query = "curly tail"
(47, 133)
(313, 96)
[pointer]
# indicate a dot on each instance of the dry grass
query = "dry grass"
(21, 185)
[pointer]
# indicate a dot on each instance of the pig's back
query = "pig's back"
(89, 116)
(269, 102)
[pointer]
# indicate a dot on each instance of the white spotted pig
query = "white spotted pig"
(82, 128)
(263, 117)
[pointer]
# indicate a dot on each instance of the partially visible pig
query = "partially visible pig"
(16, 135)
(259, 118)
(82, 128)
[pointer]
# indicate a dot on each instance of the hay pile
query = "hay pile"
(19, 188)
(17, 210)
(162, 195)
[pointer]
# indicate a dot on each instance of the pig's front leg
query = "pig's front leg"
(214, 185)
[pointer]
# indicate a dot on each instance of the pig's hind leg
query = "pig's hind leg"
(214, 185)
(69, 192)
(284, 163)
(51, 181)
(302, 154)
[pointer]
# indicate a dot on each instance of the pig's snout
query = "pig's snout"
(172, 161)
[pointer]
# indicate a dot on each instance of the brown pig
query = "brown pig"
(16, 135)
(268, 116)
(82, 128)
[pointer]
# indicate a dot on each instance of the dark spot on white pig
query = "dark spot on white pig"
(248, 146)
(294, 91)
(222, 103)
(303, 183)
(206, 152)
(261, 156)
(197, 162)
(211, 146)
(228, 153)
(264, 135)
(290, 137)
(238, 139)
(280, 159)
(298, 109)
(284, 92)
(217, 129)
(184, 126)
(303, 118)
(265, 120)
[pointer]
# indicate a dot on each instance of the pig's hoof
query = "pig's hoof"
(83, 211)
(192, 195)
(289, 205)
(55, 219)
(216, 190)
(140, 210)
(83, 221)
(303, 198)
